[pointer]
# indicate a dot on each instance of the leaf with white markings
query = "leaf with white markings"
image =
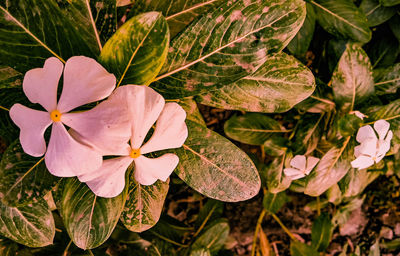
(342, 19)
(179, 13)
(279, 84)
(332, 167)
(23, 179)
(352, 80)
(137, 51)
(356, 181)
(61, 31)
(387, 80)
(274, 176)
(389, 112)
(89, 219)
(215, 167)
(144, 205)
(252, 128)
(227, 44)
(31, 225)
(192, 111)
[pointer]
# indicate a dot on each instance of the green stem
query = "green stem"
(90, 252)
(67, 248)
(169, 240)
(258, 226)
(284, 227)
(205, 221)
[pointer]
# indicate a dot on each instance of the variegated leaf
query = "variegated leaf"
(144, 205)
(227, 44)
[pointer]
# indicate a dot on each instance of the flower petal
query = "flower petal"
(85, 81)
(362, 162)
(365, 132)
(66, 157)
(357, 149)
(110, 179)
(293, 174)
(369, 147)
(149, 170)
(381, 127)
(33, 124)
(299, 162)
(106, 127)
(170, 132)
(389, 136)
(145, 106)
(40, 84)
(311, 163)
(384, 147)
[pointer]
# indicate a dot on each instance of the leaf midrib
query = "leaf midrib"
(190, 9)
(241, 183)
(31, 34)
(338, 17)
(218, 49)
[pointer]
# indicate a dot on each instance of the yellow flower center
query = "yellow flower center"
(135, 153)
(55, 115)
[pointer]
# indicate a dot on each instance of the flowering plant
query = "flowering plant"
(100, 118)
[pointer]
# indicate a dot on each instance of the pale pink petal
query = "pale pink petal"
(149, 170)
(106, 127)
(357, 149)
(362, 162)
(170, 132)
(379, 157)
(66, 157)
(369, 147)
(384, 147)
(381, 127)
(311, 163)
(110, 180)
(145, 106)
(389, 136)
(85, 81)
(365, 132)
(293, 174)
(299, 162)
(40, 84)
(33, 124)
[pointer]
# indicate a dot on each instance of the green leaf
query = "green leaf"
(383, 53)
(387, 80)
(300, 249)
(279, 84)
(389, 112)
(275, 146)
(356, 181)
(389, 2)
(352, 80)
(394, 24)
(106, 16)
(89, 219)
(144, 205)
(137, 51)
(213, 237)
(332, 167)
(321, 233)
(35, 30)
(227, 44)
(179, 14)
(211, 210)
(274, 202)
(192, 111)
(375, 12)
(300, 43)
(9, 77)
(23, 179)
(31, 225)
(275, 179)
(308, 134)
(320, 101)
(349, 124)
(252, 128)
(8, 248)
(215, 167)
(342, 19)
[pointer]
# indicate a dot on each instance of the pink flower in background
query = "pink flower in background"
(145, 107)
(372, 149)
(300, 166)
(100, 128)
